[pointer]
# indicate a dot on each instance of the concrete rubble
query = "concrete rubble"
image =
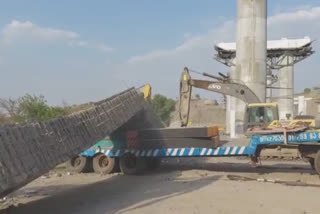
(30, 150)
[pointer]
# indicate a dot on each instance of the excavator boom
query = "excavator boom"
(239, 91)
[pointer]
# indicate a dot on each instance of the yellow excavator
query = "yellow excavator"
(258, 114)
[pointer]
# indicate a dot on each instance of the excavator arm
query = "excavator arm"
(237, 90)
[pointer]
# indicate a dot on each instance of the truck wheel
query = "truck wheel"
(153, 163)
(79, 164)
(103, 164)
(311, 161)
(317, 162)
(116, 165)
(131, 165)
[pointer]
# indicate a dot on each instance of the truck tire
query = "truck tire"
(132, 165)
(103, 164)
(317, 162)
(311, 161)
(79, 164)
(153, 163)
(116, 165)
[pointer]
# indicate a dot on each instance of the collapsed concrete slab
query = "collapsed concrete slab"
(29, 150)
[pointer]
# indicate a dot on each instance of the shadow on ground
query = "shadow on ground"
(114, 195)
(235, 166)
(124, 193)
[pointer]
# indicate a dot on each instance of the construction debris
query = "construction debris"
(29, 150)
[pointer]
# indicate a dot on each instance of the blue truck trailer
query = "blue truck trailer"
(132, 157)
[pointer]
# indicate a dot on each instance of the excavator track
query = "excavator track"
(29, 150)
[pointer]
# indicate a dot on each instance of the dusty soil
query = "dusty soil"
(179, 186)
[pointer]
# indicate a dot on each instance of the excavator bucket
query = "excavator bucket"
(146, 90)
(185, 97)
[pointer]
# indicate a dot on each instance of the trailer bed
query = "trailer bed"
(248, 150)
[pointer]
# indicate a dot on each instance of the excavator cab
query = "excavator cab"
(261, 115)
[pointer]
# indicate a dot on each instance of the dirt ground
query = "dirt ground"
(179, 186)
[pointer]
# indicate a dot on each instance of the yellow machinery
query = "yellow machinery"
(258, 114)
(262, 115)
(146, 91)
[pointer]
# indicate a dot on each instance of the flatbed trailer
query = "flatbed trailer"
(135, 160)
(307, 138)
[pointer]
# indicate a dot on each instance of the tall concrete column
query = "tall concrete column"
(286, 81)
(269, 90)
(302, 107)
(232, 121)
(251, 50)
(230, 106)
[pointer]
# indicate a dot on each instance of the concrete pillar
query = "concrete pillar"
(269, 90)
(251, 51)
(232, 127)
(286, 78)
(302, 107)
(230, 107)
(233, 130)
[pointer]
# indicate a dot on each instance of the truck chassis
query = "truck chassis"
(136, 160)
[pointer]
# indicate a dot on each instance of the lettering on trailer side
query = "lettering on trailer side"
(271, 138)
(307, 136)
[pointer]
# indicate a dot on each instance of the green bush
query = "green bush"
(163, 107)
(29, 107)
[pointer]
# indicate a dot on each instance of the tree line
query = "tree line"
(36, 108)
(32, 107)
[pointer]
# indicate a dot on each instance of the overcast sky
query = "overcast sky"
(80, 50)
